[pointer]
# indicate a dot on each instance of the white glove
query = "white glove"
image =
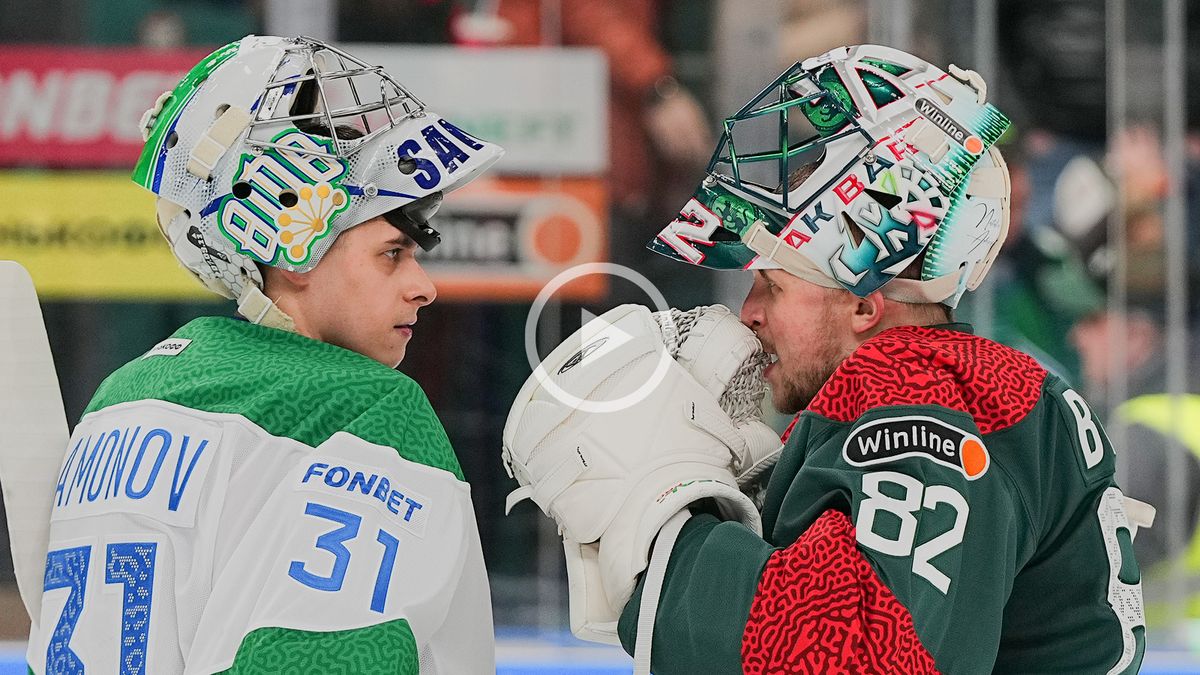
(727, 359)
(611, 456)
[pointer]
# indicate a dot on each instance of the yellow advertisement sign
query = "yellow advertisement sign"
(92, 235)
(89, 234)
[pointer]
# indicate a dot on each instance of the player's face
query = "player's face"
(797, 322)
(365, 294)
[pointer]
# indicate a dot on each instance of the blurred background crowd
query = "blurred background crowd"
(1097, 280)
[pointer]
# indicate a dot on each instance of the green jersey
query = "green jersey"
(246, 500)
(943, 505)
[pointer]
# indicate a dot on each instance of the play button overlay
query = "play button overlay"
(609, 337)
(595, 338)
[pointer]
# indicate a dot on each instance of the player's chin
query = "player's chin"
(396, 344)
(780, 398)
(396, 355)
(786, 397)
(390, 351)
(777, 385)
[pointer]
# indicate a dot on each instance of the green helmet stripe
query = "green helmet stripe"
(144, 171)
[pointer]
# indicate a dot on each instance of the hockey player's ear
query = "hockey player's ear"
(296, 280)
(867, 313)
(278, 282)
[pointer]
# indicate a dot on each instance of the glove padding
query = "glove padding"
(611, 456)
(727, 359)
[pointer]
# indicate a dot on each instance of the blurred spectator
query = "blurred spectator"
(1147, 413)
(1142, 335)
(659, 138)
(1085, 196)
(1136, 159)
(656, 126)
(813, 27)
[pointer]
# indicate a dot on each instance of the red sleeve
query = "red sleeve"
(821, 608)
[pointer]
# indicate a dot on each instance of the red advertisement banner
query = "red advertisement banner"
(79, 107)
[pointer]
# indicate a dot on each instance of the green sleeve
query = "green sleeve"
(710, 584)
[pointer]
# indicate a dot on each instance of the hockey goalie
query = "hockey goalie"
(941, 504)
(266, 493)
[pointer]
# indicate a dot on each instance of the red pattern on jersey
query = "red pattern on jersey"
(820, 608)
(788, 431)
(912, 365)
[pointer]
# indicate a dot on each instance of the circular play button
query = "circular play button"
(596, 334)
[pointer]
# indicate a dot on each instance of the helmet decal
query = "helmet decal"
(148, 170)
(283, 203)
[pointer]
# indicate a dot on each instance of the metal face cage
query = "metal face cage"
(334, 90)
(766, 140)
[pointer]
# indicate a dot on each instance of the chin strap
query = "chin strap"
(258, 308)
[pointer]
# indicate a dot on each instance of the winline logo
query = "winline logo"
(942, 120)
(894, 438)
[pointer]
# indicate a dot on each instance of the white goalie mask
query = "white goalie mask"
(900, 163)
(270, 148)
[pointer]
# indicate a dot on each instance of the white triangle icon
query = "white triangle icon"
(591, 329)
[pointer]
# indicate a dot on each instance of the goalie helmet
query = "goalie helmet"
(848, 167)
(270, 148)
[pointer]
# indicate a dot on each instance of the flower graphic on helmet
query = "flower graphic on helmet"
(306, 221)
(283, 201)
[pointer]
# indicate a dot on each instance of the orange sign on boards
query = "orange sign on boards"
(504, 238)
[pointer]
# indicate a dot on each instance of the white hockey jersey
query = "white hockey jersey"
(246, 500)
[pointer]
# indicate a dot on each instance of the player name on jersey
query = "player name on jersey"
(894, 438)
(151, 468)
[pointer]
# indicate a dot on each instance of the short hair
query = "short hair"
(316, 127)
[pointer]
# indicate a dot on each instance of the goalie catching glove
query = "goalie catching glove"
(624, 425)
